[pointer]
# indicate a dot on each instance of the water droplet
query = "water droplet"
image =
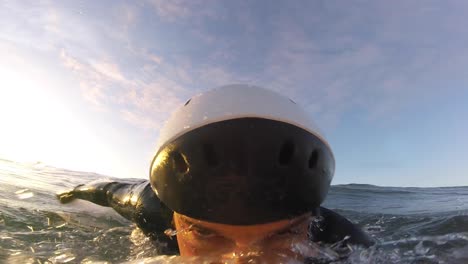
(170, 232)
(24, 194)
(419, 249)
(63, 258)
(62, 225)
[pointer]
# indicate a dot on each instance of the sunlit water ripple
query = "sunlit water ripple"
(410, 225)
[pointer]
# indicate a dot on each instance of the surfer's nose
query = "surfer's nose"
(243, 243)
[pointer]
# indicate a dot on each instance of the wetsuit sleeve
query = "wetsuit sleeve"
(330, 227)
(134, 201)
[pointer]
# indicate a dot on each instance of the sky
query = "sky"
(86, 85)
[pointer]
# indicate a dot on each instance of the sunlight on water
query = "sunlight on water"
(63, 258)
(24, 194)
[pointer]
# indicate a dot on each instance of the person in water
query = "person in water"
(237, 169)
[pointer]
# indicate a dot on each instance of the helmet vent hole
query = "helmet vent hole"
(188, 101)
(210, 155)
(179, 162)
(313, 159)
(286, 153)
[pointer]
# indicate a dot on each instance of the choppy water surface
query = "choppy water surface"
(410, 225)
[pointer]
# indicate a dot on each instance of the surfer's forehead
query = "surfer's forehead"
(235, 230)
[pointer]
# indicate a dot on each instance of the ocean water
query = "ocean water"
(410, 225)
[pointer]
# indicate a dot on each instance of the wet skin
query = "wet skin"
(270, 242)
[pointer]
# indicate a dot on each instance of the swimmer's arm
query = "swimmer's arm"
(135, 201)
(333, 228)
(107, 193)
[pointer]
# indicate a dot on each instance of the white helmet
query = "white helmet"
(241, 155)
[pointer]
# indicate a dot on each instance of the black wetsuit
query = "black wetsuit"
(138, 203)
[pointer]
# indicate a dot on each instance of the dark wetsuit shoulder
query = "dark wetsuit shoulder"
(331, 227)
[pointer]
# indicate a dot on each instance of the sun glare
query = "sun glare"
(38, 126)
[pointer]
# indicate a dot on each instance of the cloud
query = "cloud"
(140, 121)
(128, 15)
(155, 59)
(145, 103)
(109, 70)
(151, 104)
(93, 83)
(172, 11)
(374, 58)
(70, 62)
(94, 93)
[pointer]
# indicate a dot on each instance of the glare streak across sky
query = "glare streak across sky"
(87, 85)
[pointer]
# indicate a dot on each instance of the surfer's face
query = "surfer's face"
(286, 239)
